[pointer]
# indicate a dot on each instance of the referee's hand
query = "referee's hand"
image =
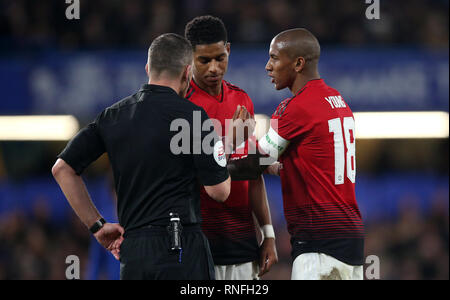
(110, 236)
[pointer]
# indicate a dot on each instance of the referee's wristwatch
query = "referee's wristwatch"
(97, 225)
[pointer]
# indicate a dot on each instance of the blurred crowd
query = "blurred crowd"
(413, 246)
(33, 247)
(29, 25)
(416, 244)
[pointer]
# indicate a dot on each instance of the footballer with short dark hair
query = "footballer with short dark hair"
(229, 226)
(312, 136)
(206, 30)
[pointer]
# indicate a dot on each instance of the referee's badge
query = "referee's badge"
(219, 154)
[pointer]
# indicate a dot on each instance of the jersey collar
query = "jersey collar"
(218, 98)
(315, 82)
(309, 83)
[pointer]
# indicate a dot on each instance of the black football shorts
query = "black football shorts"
(145, 255)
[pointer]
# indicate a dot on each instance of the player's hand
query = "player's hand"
(274, 169)
(240, 128)
(268, 256)
(110, 236)
(243, 131)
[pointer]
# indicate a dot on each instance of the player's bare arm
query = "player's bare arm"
(260, 207)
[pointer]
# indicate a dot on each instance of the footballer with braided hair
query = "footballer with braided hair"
(229, 226)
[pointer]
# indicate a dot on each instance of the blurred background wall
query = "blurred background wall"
(50, 65)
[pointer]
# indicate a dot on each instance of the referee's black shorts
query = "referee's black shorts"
(145, 254)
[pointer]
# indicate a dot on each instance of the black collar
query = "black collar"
(157, 88)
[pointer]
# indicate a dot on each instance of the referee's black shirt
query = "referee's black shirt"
(150, 180)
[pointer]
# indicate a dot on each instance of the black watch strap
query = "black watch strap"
(97, 225)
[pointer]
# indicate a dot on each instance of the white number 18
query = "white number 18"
(339, 149)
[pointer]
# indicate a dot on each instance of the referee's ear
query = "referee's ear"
(185, 80)
(187, 73)
(146, 69)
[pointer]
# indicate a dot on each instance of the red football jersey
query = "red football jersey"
(228, 226)
(318, 175)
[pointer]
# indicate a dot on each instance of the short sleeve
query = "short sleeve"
(211, 162)
(289, 121)
(86, 147)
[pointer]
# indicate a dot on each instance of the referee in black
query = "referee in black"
(159, 234)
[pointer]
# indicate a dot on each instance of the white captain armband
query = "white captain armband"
(273, 144)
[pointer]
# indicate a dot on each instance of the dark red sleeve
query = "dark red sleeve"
(289, 120)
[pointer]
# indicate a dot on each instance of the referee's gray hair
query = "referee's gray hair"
(169, 53)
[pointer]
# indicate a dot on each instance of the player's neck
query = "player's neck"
(212, 90)
(302, 80)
